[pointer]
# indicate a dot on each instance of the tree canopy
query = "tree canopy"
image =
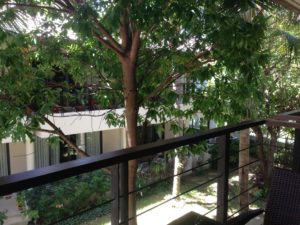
(194, 39)
(135, 49)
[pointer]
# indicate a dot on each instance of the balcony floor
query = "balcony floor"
(257, 220)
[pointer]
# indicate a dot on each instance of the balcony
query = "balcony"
(209, 185)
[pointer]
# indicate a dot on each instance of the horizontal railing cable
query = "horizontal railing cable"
(255, 200)
(245, 191)
(25, 180)
(170, 177)
(182, 193)
(211, 210)
(240, 167)
(248, 148)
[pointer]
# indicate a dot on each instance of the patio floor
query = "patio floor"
(257, 220)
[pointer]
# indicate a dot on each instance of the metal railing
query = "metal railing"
(118, 162)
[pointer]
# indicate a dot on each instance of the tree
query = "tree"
(20, 100)
(137, 49)
(232, 94)
(232, 98)
(280, 78)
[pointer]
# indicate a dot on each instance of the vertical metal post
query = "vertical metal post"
(119, 209)
(296, 151)
(8, 159)
(223, 170)
(101, 141)
(123, 187)
(115, 195)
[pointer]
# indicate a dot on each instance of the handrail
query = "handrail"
(28, 179)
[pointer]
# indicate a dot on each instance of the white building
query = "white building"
(88, 129)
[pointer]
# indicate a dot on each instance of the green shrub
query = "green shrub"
(52, 202)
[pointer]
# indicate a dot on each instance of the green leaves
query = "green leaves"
(53, 202)
(195, 40)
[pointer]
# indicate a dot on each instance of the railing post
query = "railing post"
(115, 195)
(119, 209)
(223, 170)
(123, 193)
(296, 151)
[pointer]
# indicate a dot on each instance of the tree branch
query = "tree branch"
(58, 131)
(125, 31)
(108, 45)
(166, 83)
(115, 46)
(174, 76)
(135, 45)
(148, 69)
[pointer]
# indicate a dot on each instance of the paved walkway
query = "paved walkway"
(9, 205)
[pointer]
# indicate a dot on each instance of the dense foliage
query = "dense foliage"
(196, 39)
(137, 50)
(56, 201)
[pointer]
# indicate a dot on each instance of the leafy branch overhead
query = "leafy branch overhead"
(133, 53)
(170, 39)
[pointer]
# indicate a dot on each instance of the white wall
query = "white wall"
(21, 156)
(82, 122)
(114, 139)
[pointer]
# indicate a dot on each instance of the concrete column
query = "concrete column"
(81, 141)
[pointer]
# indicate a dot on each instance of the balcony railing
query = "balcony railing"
(117, 194)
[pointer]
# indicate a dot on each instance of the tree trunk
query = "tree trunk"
(177, 170)
(178, 165)
(261, 155)
(131, 113)
(244, 171)
(272, 148)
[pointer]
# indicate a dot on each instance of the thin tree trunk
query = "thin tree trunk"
(244, 171)
(261, 155)
(131, 113)
(178, 165)
(272, 149)
(177, 178)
